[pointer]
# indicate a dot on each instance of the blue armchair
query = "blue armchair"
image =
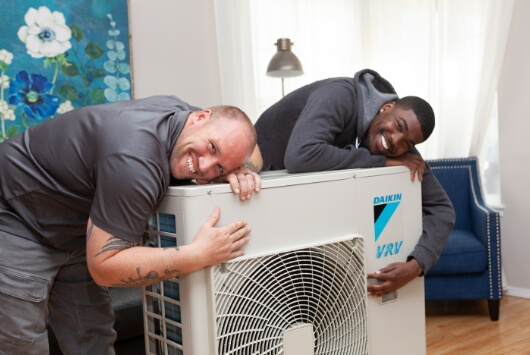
(469, 267)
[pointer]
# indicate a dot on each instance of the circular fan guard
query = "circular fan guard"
(257, 299)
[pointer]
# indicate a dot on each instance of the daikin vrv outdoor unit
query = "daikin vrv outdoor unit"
(300, 288)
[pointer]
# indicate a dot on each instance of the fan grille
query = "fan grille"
(258, 299)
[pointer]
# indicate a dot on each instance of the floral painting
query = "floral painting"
(59, 55)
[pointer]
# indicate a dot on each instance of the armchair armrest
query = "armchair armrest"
(484, 222)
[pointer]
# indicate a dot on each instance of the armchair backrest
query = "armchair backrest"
(461, 181)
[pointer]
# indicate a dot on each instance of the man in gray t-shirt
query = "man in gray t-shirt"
(76, 193)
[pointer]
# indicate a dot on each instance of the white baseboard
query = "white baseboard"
(517, 292)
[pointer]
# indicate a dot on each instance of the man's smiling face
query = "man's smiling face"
(393, 132)
(208, 148)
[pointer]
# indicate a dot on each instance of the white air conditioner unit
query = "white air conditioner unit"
(300, 288)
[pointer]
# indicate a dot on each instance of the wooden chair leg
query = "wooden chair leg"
(493, 307)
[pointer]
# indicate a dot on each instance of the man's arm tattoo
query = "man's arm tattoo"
(150, 278)
(115, 243)
(89, 230)
(251, 166)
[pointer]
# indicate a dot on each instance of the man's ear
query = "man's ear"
(388, 106)
(201, 116)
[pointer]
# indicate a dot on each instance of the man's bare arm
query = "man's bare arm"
(113, 261)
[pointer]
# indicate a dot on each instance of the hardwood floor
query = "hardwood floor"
(464, 327)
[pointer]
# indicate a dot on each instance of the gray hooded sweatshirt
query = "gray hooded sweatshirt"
(319, 126)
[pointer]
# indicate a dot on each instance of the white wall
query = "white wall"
(174, 50)
(514, 129)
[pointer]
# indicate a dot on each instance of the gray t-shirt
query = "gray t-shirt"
(109, 162)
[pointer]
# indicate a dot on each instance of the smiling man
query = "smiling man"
(76, 193)
(343, 123)
(359, 122)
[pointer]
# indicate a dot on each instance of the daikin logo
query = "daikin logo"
(384, 208)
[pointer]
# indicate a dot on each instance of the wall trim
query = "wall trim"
(517, 292)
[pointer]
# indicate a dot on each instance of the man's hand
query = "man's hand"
(244, 181)
(412, 161)
(393, 277)
(214, 245)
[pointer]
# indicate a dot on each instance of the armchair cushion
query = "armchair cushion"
(463, 253)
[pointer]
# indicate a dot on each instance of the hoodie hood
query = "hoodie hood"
(373, 91)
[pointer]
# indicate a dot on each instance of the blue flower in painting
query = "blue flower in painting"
(31, 92)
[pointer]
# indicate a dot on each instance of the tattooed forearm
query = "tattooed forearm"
(115, 243)
(89, 230)
(251, 166)
(150, 278)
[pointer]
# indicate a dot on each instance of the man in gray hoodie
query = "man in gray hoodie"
(344, 123)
